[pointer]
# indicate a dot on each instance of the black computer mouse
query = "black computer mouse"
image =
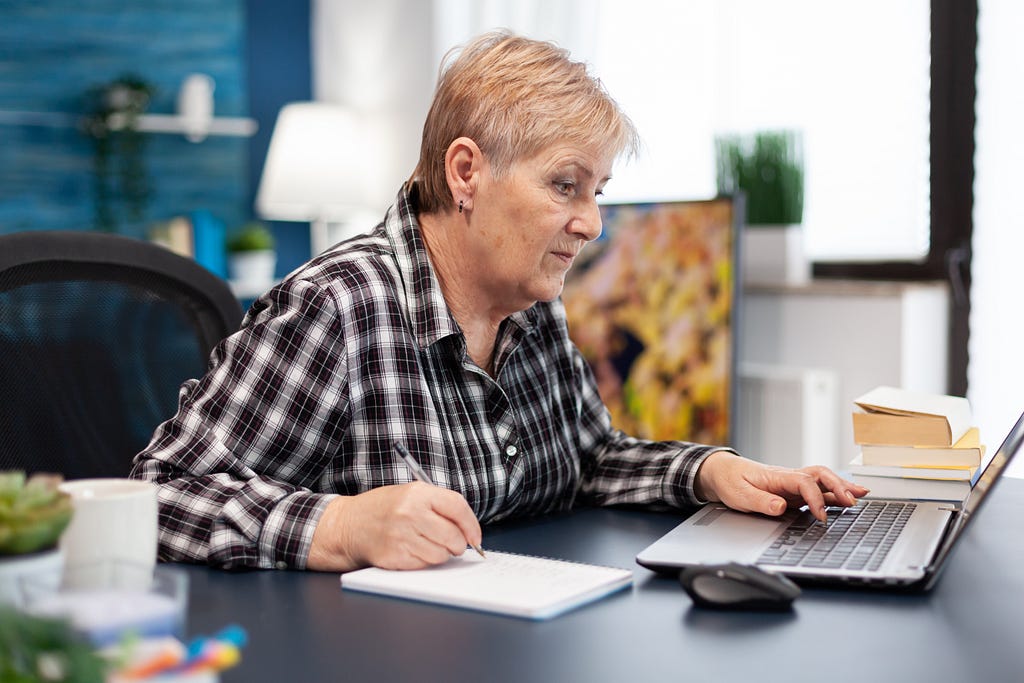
(738, 586)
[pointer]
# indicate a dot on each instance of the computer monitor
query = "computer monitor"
(652, 305)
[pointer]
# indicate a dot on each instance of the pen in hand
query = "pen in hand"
(420, 475)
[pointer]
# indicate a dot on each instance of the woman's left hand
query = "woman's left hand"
(750, 486)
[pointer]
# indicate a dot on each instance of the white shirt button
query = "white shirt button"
(281, 564)
(511, 450)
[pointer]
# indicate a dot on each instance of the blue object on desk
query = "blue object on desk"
(208, 237)
(232, 634)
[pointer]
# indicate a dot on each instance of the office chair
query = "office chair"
(97, 333)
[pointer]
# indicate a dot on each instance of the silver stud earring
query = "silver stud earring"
(460, 206)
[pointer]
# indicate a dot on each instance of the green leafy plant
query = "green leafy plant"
(768, 168)
(35, 649)
(253, 236)
(33, 512)
(112, 123)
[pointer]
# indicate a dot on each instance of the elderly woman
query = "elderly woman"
(442, 330)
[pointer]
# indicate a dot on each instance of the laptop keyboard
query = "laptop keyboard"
(857, 537)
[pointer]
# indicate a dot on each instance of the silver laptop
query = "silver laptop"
(879, 542)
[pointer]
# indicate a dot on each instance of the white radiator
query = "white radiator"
(788, 416)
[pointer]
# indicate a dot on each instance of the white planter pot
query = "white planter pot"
(252, 267)
(14, 568)
(774, 254)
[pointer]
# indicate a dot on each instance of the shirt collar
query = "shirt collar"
(431, 319)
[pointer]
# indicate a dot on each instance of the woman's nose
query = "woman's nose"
(588, 223)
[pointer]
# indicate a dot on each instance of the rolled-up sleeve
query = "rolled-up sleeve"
(238, 462)
(619, 469)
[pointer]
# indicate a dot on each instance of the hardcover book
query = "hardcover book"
(857, 466)
(967, 452)
(954, 490)
(894, 416)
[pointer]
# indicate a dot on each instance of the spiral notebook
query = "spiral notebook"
(503, 583)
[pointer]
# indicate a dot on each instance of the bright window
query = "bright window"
(853, 77)
(996, 370)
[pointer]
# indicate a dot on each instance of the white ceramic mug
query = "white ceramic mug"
(114, 524)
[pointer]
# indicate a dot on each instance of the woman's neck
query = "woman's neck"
(464, 293)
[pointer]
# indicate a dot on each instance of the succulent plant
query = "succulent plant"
(33, 512)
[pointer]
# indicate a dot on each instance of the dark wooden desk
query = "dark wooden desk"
(303, 628)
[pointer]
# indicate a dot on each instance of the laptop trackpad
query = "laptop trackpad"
(712, 535)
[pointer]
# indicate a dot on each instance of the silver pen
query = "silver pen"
(420, 475)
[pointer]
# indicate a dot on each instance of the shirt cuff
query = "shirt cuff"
(681, 477)
(287, 533)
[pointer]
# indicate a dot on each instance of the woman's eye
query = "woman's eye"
(565, 187)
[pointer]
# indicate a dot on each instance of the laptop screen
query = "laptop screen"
(984, 481)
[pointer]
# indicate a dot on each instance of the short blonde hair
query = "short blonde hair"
(513, 97)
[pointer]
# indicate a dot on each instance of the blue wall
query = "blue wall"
(52, 52)
(280, 72)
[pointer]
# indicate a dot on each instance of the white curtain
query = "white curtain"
(996, 365)
(377, 59)
(573, 24)
(852, 76)
(381, 59)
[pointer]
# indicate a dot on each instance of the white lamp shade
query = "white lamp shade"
(312, 171)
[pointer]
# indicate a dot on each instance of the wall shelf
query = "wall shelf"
(148, 123)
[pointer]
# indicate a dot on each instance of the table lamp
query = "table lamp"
(315, 171)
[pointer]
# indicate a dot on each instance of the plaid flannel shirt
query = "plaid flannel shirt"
(355, 350)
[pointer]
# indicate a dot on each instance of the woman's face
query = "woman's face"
(527, 227)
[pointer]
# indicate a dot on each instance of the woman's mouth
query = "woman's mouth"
(566, 257)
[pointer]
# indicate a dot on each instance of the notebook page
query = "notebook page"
(506, 583)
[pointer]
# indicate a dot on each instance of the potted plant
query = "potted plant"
(767, 168)
(33, 514)
(119, 172)
(45, 649)
(251, 255)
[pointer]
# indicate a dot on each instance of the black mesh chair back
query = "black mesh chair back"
(97, 333)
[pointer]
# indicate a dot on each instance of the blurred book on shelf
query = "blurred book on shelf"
(174, 234)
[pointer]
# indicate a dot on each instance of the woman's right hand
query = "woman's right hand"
(405, 526)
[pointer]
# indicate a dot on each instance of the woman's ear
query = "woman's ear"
(463, 164)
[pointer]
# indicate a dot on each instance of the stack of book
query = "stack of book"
(915, 445)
